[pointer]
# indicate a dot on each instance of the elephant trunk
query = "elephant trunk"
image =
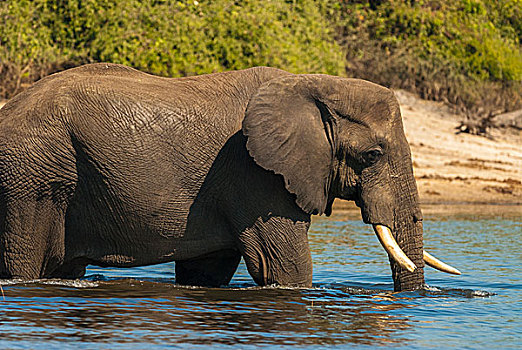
(394, 212)
(408, 233)
(408, 230)
(392, 207)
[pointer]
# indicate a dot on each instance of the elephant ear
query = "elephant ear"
(290, 133)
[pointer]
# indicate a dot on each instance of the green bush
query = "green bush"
(466, 53)
(165, 37)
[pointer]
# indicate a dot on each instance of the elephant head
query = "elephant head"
(332, 137)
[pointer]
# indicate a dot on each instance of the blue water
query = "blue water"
(351, 305)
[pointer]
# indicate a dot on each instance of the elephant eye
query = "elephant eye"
(372, 156)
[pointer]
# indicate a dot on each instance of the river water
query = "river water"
(351, 304)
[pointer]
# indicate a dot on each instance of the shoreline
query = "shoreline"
(467, 211)
(350, 205)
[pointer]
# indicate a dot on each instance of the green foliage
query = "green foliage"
(480, 38)
(465, 52)
(165, 37)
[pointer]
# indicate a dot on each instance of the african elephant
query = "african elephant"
(106, 165)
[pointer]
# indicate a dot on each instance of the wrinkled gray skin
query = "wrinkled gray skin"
(109, 166)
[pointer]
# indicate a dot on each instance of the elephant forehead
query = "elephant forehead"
(366, 102)
(376, 117)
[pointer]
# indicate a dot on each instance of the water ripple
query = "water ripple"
(351, 303)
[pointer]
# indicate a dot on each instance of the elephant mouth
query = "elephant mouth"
(395, 252)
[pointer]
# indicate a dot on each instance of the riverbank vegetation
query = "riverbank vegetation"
(466, 53)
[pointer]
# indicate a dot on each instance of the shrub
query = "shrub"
(466, 53)
(164, 37)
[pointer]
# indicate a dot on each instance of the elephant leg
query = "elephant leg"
(69, 270)
(211, 270)
(31, 238)
(276, 251)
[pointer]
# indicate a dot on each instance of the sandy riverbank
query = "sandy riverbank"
(459, 168)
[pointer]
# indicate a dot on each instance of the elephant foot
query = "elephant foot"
(211, 270)
(69, 270)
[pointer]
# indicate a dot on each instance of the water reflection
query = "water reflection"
(130, 310)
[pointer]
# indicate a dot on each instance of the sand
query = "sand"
(452, 167)
(459, 168)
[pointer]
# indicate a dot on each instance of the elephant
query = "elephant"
(105, 165)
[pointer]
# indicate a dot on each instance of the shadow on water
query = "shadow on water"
(156, 311)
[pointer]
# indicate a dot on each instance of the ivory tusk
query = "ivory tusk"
(392, 248)
(439, 265)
